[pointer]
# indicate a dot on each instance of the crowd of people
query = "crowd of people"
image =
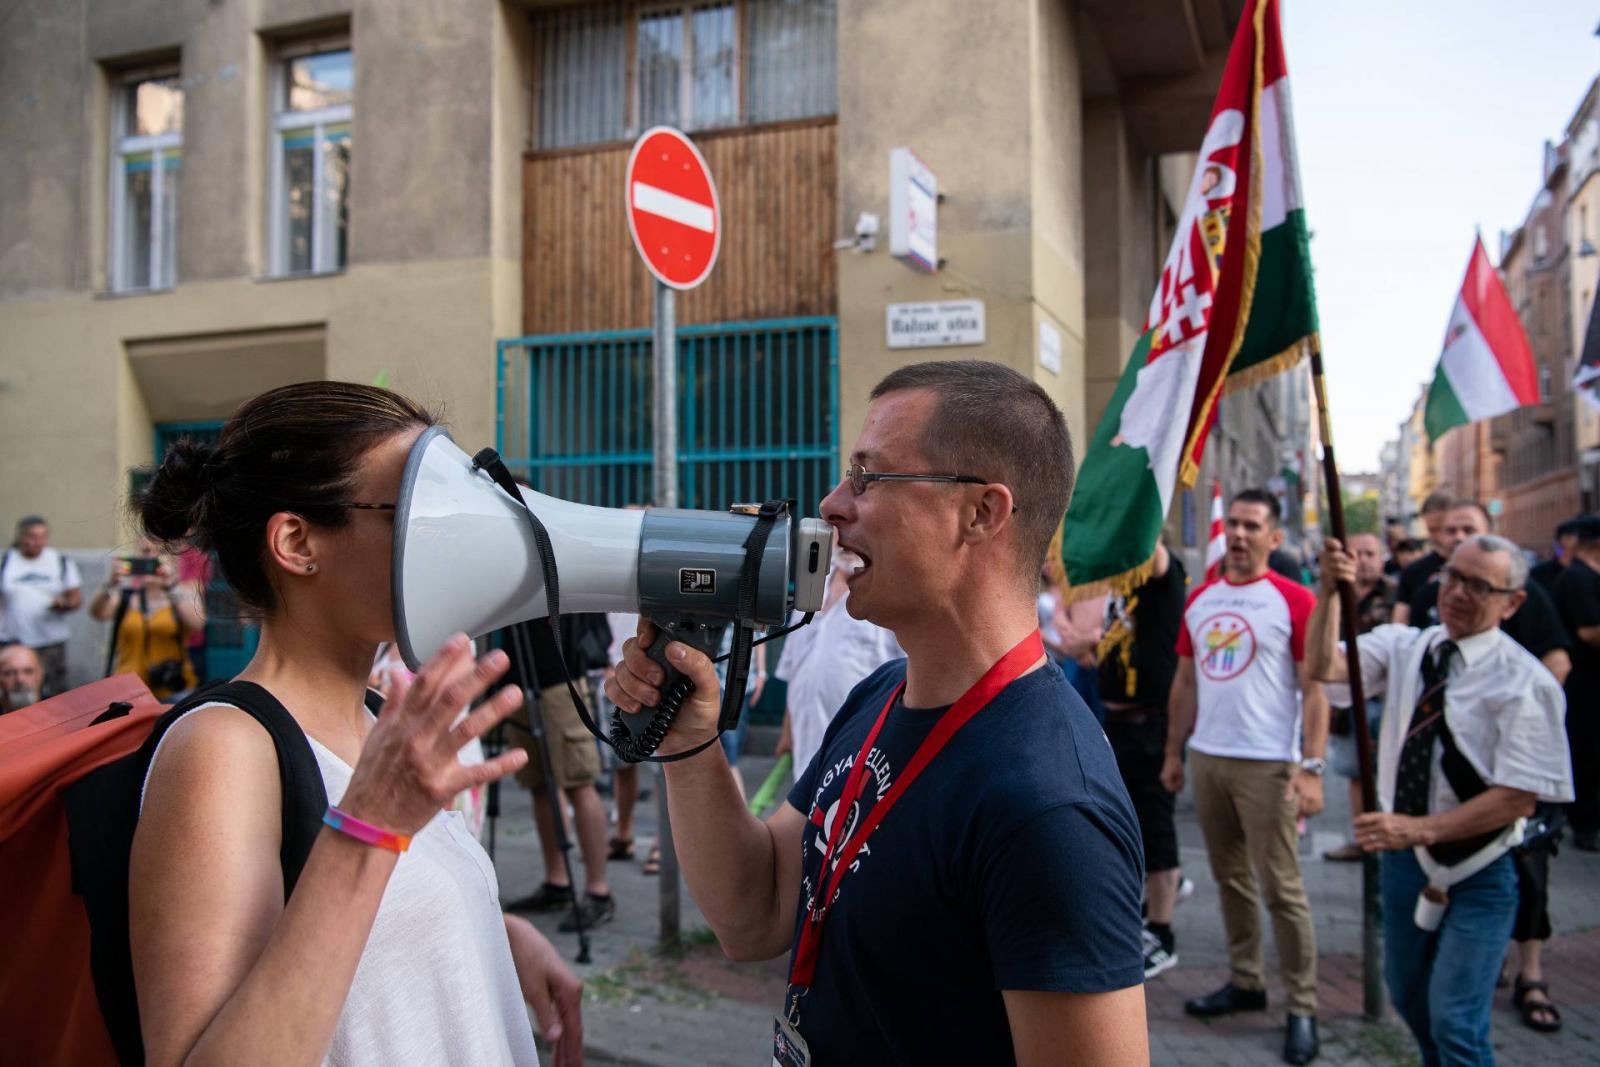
(1232, 685)
(1032, 874)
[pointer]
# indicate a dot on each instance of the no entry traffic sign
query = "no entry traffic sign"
(672, 208)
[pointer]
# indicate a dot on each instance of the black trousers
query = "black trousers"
(1583, 737)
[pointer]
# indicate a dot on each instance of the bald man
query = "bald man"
(21, 676)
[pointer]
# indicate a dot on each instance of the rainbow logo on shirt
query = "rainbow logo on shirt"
(1226, 646)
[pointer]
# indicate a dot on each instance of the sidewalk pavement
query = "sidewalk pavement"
(695, 1007)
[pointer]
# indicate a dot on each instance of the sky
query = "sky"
(1418, 121)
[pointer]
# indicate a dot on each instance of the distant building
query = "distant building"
(1582, 239)
(204, 201)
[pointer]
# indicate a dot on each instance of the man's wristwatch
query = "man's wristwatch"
(1314, 765)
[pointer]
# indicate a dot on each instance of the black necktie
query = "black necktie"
(1415, 774)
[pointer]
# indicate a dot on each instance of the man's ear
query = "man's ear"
(993, 511)
(1513, 603)
(1277, 537)
(289, 547)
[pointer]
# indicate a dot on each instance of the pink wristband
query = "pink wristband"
(365, 832)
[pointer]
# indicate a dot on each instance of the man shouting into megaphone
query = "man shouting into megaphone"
(962, 841)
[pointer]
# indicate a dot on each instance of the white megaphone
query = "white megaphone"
(466, 559)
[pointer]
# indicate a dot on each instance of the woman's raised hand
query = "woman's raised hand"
(408, 768)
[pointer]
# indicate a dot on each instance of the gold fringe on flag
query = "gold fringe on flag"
(1116, 585)
(1267, 368)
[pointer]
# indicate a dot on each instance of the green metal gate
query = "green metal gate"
(757, 413)
(231, 639)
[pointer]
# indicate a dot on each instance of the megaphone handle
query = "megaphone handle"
(707, 637)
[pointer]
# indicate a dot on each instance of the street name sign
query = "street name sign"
(673, 213)
(935, 324)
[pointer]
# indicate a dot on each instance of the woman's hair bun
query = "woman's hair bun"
(171, 506)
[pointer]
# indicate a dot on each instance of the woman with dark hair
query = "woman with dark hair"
(392, 947)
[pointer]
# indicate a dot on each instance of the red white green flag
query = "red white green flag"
(1217, 542)
(1234, 304)
(1486, 368)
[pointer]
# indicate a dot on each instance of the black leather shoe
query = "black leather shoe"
(1227, 1000)
(1300, 1044)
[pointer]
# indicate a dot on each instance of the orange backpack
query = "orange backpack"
(71, 773)
(48, 1008)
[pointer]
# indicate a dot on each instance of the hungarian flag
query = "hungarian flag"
(1486, 368)
(1217, 542)
(1234, 304)
(1587, 378)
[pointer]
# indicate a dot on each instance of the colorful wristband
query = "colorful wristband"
(365, 832)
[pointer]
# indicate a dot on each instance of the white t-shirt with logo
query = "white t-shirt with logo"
(27, 587)
(1245, 641)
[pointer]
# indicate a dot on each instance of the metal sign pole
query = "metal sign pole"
(664, 354)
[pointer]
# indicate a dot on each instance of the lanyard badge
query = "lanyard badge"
(1011, 666)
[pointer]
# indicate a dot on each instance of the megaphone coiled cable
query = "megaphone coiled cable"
(637, 750)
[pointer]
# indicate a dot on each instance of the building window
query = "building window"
(147, 161)
(687, 75)
(607, 72)
(312, 92)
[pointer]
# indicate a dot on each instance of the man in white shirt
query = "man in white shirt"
(1472, 737)
(1243, 687)
(822, 662)
(38, 587)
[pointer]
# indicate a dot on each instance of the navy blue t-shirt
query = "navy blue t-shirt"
(1012, 862)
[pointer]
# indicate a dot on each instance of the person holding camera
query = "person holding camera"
(152, 615)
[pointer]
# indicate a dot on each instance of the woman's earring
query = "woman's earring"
(311, 568)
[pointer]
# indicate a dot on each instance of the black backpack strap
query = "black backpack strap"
(305, 800)
(124, 596)
(103, 813)
(1466, 783)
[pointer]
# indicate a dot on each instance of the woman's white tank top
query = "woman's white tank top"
(436, 983)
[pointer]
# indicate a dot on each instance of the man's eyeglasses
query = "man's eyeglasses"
(859, 478)
(1476, 588)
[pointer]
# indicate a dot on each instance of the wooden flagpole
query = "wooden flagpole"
(1371, 914)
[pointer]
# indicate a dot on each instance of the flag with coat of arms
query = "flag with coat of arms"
(1234, 304)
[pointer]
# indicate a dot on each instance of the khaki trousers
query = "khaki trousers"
(1250, 837)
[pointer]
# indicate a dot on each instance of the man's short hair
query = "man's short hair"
(30, 520)
(1586, 527)
(1262, 497)
(1572, 527)
(992, 422)
(1439, 501)
(1410, 544)
(1517, 568)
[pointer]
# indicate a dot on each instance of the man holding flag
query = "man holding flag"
(1233, 306)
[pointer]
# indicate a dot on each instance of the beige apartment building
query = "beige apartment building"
(208, 198)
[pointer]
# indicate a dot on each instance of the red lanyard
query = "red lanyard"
(1011, 667)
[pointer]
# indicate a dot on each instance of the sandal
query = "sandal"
(621, 849)
(1531, 1009)
(652, 862)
